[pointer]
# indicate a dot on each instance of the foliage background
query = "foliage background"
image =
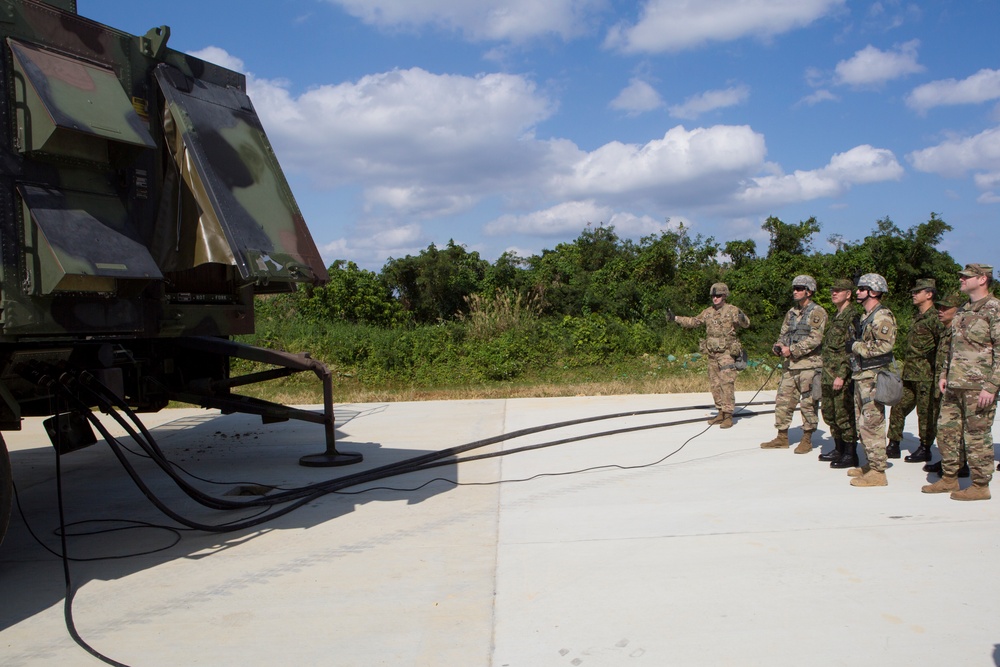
(591, 308)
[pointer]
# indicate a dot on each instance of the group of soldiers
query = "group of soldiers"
(950, 375)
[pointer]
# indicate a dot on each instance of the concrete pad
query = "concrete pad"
(676, 545)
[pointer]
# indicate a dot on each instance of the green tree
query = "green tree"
(433, 285)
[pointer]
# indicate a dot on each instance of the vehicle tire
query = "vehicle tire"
(6, 489)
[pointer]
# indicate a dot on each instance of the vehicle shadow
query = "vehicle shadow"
(227, 456)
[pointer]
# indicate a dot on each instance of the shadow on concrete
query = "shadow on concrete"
(233, 451)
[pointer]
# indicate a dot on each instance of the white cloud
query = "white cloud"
(683, 166)
(370, 250)
(955, 157)
(637, 97)
(861, 164)
(214, 54)
(513, 20)
(818, 97)
(408, 132)
(983, 86)
(872, 67)
(674, 25)
(572, 216)
(710, 100)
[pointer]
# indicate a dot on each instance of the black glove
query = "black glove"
(670, 315)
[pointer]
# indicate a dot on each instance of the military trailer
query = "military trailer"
(141, 210)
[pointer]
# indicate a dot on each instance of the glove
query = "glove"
(670, 315)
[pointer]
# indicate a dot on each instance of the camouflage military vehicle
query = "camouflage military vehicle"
(141, 209)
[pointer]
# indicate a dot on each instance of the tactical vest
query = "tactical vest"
(859, 363)
(799, 329)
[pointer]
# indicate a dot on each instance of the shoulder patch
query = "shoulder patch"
(885, 329)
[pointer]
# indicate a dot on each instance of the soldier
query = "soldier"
(918, 376)
(947, 307)
(800, 345)
(838, 388)
(968, 382)
(871, 351)
(721, 348)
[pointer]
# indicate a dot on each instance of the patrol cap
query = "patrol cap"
(805, 281)
(972, 270)
(842, 285)
(719, 289)
(953, 300)
(922, 284)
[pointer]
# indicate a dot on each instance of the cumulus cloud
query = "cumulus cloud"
(675, 25)
(513, 20)
(861, 164)
(710, 100)
(412, 137)
(372, 248)
(873, 67)
(983, 86)
(637, 97)
(570, 217)
(955, 157)
(682, 166)
(214, 54)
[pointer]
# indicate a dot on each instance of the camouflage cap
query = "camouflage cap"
(972, 270)
(842, 285)
(953, 300)
(922, 284)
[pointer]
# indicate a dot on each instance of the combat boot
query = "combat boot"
(805, 444)
(727, 420)
(933, 467)
(858, 471)
(943, 485)
(892, 449)
(835, 453)
(974, 492)
(848, 458)
(717, 419)
(780, 441)
(920, 454)
(871, 478)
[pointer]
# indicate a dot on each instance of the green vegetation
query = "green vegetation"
(586, 316)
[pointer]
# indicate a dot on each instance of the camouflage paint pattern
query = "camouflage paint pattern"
(802, 368)
(721, 347)
(876, 338)
(796, 389)
(971, 365)
(919, 379)
(838, 405)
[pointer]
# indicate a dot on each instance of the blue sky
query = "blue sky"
(512, 124)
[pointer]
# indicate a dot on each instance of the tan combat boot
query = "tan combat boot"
(727, 421)
(805, 444)
(780, 441)
(943, 485)
(717, 419)
(871, 478)
(974, 492)
(858, 472)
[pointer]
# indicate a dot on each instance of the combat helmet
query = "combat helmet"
(719, 289)
(874, 282)
(805, 281)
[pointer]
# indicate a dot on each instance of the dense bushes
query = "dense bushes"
(446, 317)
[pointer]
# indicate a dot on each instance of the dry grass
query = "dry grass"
(306, 390)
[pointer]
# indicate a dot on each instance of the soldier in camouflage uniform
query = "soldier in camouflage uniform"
(871, 351)
(947, 308)
(969, 381)
(838, 387)
(918, 376)
(800, 345)
(721, 348)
